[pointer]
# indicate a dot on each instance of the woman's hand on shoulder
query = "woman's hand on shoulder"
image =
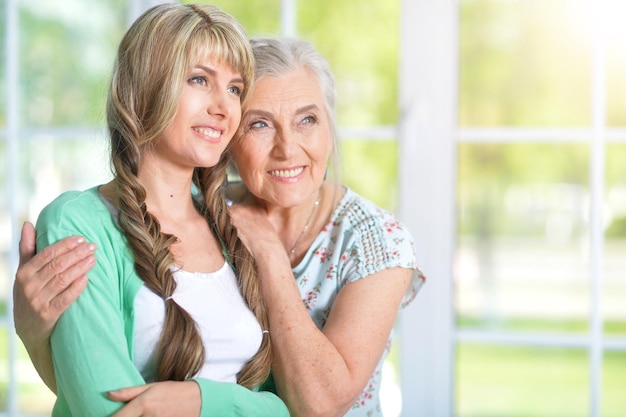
(47, 283)
(159, 399)
(255, 230)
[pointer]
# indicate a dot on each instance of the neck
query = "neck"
(307, 224)
(168, 192)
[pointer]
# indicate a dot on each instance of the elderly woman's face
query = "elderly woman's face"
(284, 140)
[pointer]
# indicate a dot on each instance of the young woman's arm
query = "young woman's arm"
(49, 276)
(219, 399)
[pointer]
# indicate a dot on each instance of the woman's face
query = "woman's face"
(207, 116)
(285, 139)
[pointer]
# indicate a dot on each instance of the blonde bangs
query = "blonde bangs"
(216, 43)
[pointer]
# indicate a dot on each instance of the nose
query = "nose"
(221, 105)
(285, 143)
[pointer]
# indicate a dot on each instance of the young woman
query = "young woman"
(164, 300)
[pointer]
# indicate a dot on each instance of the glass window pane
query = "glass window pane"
(614, 290)
(616, 91)
(361, 41)
(370, 169)
(259, 17)
(616, 62)
(3, 67)
(521, 259)
(53, 165)
(34, 395)
(66, 57)
(613, 402)
(5, 224)
(519, 381)
(524, 63)
(4, 368)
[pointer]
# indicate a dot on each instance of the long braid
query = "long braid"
(157, 48)
(180, 352)
(211, 181)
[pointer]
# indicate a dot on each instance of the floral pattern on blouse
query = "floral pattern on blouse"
(359, 240)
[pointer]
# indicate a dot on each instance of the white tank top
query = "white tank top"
(229, 330)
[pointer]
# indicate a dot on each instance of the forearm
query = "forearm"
(41, 357)
(232, 400)
(300, 348)
(335, 368)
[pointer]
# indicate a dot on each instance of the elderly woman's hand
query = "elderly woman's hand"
(255, 230)
(46, 284)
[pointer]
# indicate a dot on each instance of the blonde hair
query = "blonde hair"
(153, 59)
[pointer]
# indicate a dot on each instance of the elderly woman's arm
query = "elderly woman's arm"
(321, 373)
(45, 285)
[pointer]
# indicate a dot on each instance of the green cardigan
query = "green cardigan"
(92, 343)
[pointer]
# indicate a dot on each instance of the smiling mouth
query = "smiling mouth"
(287, 173)
(213, 134)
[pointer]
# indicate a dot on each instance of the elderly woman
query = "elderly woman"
(334, 268)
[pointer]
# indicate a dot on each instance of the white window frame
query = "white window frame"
(428, 96)
(428, 135)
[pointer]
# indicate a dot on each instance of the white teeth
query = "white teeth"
(287, 173)
(209, 132)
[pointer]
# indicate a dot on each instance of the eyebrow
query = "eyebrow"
(255, 112)
(307, 108)
(212, 72)
(269, 115)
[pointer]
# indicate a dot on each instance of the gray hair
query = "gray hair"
(278, 56)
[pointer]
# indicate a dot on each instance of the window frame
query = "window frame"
(429, 135)
(428, 94)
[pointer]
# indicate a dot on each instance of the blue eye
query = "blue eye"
(259, 124)
(309, 120)
(198, 79)
(235, 90)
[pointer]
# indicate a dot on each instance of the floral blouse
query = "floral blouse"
(359, 240)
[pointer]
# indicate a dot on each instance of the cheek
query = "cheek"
(325, 150)
(236, 115)
(246, 157)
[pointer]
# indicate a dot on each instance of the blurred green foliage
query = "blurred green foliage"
(66, 60)
(259, 17)
(525, 381)
(508, 189)
(3, 68)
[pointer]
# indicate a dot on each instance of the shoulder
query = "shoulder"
(74, 213)
(374, 235)
(363, 217)
(84, 203)
(379, 241)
